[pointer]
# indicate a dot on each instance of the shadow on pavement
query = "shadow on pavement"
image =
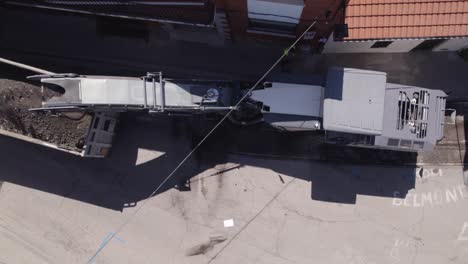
(459, 135)
(337, 174)
(433, 70)
(146, 151)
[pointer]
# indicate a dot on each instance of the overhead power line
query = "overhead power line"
(125, 223)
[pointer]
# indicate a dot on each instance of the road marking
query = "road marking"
(351, 255)
(436, 197)
(427, 173)
(463, 236)
(104, 242)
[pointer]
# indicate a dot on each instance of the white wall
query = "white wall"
(285, 8)
(452, 44)
(365, 46)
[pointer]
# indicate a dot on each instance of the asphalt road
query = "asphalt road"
(61, 42)
(59, 208)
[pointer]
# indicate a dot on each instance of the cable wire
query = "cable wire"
(247, 94)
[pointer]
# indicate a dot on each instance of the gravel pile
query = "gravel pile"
(17, 97)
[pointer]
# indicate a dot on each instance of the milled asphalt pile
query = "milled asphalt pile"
(17, 97)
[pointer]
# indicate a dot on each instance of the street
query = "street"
(83, 50)
(60, 208)
(248, 195)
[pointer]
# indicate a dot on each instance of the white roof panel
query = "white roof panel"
(354, 101)
(292, 99)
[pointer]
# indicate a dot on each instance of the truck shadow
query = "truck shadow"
(146, 151)
(337, 174)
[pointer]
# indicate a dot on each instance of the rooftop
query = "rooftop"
(354, 101)
(191, 12)
(390, 19)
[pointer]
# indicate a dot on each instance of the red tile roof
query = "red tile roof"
(387, 19)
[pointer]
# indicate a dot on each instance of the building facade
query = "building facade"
(280, 19)
(231, 20)
(347, 25)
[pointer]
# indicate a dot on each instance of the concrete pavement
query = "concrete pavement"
(60, 208)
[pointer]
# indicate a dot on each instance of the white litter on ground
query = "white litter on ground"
(229, 223)
(147, 155)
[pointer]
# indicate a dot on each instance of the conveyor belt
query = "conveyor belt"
(150, 92)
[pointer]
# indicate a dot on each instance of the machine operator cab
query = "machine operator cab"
(359, 108)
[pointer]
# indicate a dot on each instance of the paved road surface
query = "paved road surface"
(61, 42)
(58, 208)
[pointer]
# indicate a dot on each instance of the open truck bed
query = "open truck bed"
(65, 132)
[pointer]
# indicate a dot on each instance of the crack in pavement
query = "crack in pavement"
(417, 245)
(251, 220)
(283, 222)
(317, 219)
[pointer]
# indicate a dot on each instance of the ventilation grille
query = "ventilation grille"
(395, 142)
(413, 112)
(440, 108)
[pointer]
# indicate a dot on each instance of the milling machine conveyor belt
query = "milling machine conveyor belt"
(150, 92)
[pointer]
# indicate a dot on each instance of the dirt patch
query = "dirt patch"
(17, 97)
(203, 248)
